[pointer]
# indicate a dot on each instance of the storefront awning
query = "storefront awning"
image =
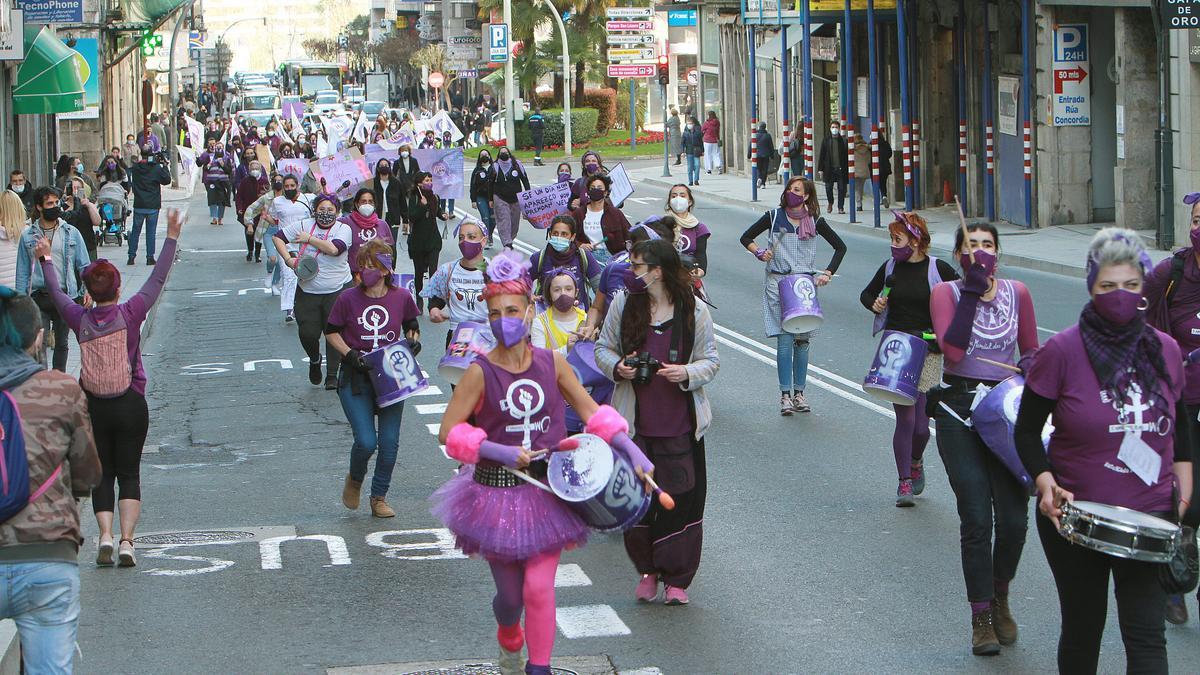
(148, 12)
(769, 50)
(50, 79)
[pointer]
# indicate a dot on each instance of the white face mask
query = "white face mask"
(835, 131)
(679, 204)
(256, 173)
(404, 154)
(366, 210)
(18, 189)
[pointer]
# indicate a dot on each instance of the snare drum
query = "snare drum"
(469, 340)
(798, 306)
(1119, 531)
(995, 418)
(896, 371)
(395, 373)
(599, 484)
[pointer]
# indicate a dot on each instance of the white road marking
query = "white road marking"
(431, 390)
(271, 555)
(590, 621)
(649, 670)
(441, 548)
(570, 575)
(210, 250)
(434, 428)
(431, 408)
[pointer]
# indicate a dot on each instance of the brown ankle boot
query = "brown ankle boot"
(380, 508)
(1006, 626)
(352, 493)
(983, 635)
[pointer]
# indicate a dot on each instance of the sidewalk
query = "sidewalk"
(1060, 249)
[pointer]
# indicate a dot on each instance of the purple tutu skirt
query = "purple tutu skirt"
(505, 524)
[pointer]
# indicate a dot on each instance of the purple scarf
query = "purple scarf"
(1121, 354)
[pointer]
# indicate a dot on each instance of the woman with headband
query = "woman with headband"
(899, 296)
(980, 322)
(1115, 387)
(455, 291)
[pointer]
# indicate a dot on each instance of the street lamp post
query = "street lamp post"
(566, 57)
(510, 124)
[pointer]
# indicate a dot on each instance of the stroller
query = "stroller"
(114, 210)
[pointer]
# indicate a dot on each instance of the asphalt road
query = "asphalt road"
(808, 566)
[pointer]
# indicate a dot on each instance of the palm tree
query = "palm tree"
(586, 24)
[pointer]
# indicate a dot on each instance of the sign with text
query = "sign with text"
(630, 39)
(622, 188)
(1180, 14)
(498, 42)
(87, 59)
(295, 167)
(634, 54)
(681, 17)
(1071, 98)
(631, 70)
(541, 204)
(629, 13)
(340, 168)
(472, 40)
(446, 167)
(52, 11)
(629, 25)
(12, 41)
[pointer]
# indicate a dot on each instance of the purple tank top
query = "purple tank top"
(993, 337)
(522, 409)
(690, 237)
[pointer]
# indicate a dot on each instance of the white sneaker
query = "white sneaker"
(125, 557)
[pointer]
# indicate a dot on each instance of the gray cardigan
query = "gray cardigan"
(701, 370)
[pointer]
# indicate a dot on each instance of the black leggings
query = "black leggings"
(253, 247)
(312, 313)
(423, 263)
(119, 426)
(1082, 575)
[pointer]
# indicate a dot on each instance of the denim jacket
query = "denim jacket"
(29, 276)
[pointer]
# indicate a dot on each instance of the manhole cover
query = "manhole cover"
(194, 537)
(478, 669)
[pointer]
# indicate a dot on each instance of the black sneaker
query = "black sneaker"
(150, 261)
(1177, 612)
(314, 373)
(248, 257)
(132, 260)
(331, 382)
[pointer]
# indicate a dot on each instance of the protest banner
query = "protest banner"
(541, 204)
(295, 167)
(441, 123)
(293, 109)
(403, 136)
(375, 152)
(188, 171)
(446, 166)
(195, 132)
(621, 187)
(346, 166)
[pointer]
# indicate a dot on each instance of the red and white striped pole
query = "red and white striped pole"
(906, 151)
(989, 185)
(850, 179)
(809, 169)
(1028, 151)
(754, 158)
(916, 160)
(787, 156)
(962, 163)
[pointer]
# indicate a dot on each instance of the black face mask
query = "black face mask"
(596, 194)
(291, 194)
(504, 156)
(277, 185)
(385, 170)
(53, 213)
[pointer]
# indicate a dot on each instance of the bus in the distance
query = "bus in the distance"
(306, 78)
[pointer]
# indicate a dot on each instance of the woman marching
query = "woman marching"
(612, 279)
(249, 189)
(660, 319)
(112, 376)
(328, 241)
(258, 215)
(506, 180)
(519, 529)
(481, 191)
(424, 240)
(1173, 291)
(982, 321)
(365, 226)
(690, 235)
(293, 210)
(792, 231)
(603, 228)
(1114, 385)
(563, 252)
(557, 328)
(899, 296)
(455, 291)
(353, 329)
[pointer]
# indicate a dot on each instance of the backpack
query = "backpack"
(14, 465)
(1177, 262)
(104, 355)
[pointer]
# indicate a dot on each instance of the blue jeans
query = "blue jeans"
(272, 256)
(361, 413)
(791, 362)
(693, 168)
(42, 598)
(216, 211)
(150, 218)
(485, 214)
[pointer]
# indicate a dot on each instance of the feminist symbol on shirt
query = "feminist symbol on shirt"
(529, 401)
(374, 318)
(367, 235)
(684, 243)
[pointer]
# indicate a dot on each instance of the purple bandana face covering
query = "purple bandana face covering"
(1195, 236)
(985, 258)
(470, 249)
(902, 253)
(510, 330)
(1119, 306)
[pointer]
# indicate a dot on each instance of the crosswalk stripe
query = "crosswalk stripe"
(431, 408)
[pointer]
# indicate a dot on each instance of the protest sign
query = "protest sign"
(342, 167)
(446, 165)
(441, 123)
(541, 204)
(621, 187)
(295, 167)
(403, 136)
(375, 152)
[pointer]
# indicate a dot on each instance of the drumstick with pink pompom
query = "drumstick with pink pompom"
(666, 500)
(565, 445)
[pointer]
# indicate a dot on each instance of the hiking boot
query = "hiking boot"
(1177, 612)
(918, 477)
(799, 403)
(1002, 620)
(351, 493)
(380, 508)
(786, 407)
(647, 588)
(675, 596)
(904, 493)
(983, 635)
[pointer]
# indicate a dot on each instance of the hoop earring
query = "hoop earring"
(1144, 304)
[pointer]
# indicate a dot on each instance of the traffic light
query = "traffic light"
(664, 71)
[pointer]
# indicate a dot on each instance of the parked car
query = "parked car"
(354, 95)
(326, 101)
(373, 108)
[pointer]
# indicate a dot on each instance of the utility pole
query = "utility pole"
(510, 125)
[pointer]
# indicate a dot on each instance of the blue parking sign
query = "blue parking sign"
(1071, 42)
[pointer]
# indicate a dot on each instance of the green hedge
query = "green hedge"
(583, 127)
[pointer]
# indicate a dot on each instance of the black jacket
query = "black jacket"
(481, 184)
(506, 184)
(831, 148)
(148, 179)
(693, 141)
(395, 199)
(537, 126)
(405, 174)
(424, 237)
(885, 158)
(766, 146)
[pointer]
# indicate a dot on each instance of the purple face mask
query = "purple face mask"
(985, 258)
(901, 253)
(1119, 306)
(370, 276)
(634, 283)
(1195, 235)
(470, 249)
(564, 302)
(510, 330)
(792, 200)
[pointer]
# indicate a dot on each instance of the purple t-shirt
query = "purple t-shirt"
(612, 279)
(689, 237)
(994, 335)
(134, 309)
(1089, 425)
(362, 235)
(662, 407)
(367, 323)
(1184, 321)
(522, 409)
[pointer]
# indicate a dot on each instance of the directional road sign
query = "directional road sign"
(628, 25)
(634, 54)
(630, 13)
(631, 70)
(631, 39)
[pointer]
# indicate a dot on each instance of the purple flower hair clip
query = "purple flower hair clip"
(508, 266)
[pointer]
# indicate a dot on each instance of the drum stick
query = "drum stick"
(998, 364)
(962, 222)
(565, 445)
(667, 501)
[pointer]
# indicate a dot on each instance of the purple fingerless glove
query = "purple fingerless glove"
(498, 452)
(761, 253)
(621, 441)
(975, 284)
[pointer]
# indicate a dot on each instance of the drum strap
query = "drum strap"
(305, 244)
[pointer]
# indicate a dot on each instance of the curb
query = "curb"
(1015, 260)
(10, 648)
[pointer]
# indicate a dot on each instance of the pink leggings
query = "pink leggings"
(528, 584)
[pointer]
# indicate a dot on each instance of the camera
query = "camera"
(644, 366)
(689, 262)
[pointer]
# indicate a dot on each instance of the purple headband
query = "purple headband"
(649, 230)
(1191, 198)
(1093, 268)
(903, 220)
(478, 223)
(560, 271)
